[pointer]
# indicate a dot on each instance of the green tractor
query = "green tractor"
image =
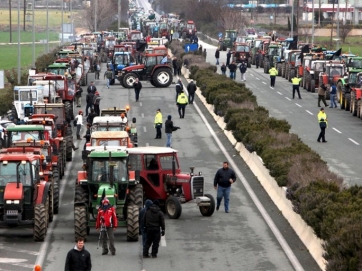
(228, 41)
(272, 57)
(106, 175)
(347, 87)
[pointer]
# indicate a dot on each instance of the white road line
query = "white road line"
(298, 105)
(288, 98)
(142, 115)
(353, 141)
(279, 93)
(163, 241)
(263, 82)
(20, 250)
(278, 235)
(257, 78)
(147, 144)
(271, 87)
(251, 74)
(337, 130)
(140, 103)
(310, 113)
(145, 129)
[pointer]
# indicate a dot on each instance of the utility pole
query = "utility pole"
(331, 44)
(24, 16)
(297, 26)
(292, 21)
(119, 14)
(62, 23)
(275, 14)
(47, 26)
(19, 51)
(95, 14)
(312, 23)
(33, 24)
(337, 24)
(11, 31)
(319, 16)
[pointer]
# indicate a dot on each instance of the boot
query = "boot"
(78, 137)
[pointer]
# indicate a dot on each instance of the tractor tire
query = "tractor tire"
(80, 222)
(69, 131)
(56, 191)
(287, 74)
(173, 207)
(353, 107)
(220, 46)
(312, 86)
(359, 108)
(50, 207)
(291, 75)
(162, 77)
(69, 149)
(307, 83)
(249, 62)
(152, 83)
(14, 115)
(266, 67)
(63, 153)
(129, 79)
(347, 101)
(68, 106)
(303, 80)
(136, 196)
(80, 195)
(132, 223)
(283, 70)
(341, 101)
(40, 223)
(112, 82)
(279, 68)
(208, 210)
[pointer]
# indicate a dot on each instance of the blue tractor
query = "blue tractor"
(121, 60)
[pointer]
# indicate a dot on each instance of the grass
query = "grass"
(352, 44)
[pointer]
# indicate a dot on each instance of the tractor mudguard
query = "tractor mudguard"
(343, 82)
(82, 175)
(43, 190)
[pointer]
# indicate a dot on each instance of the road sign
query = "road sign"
(220, 35)
(190, 47)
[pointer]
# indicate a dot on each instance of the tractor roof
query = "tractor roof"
(151, 150)
(25, 128)
(109, 119)
(18, 157)
(49, 105)
(108, 153)
(58, 65)
(43, 121)
(28, 87)
(355, 70)
(109, 134)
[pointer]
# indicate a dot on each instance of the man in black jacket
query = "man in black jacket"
(78, 258)
(191, 89)
(153, 221)
(137, 88)
(179, 88)
(89, 101)
(232, 69)
(224, 177)
(91, 116)
(169, 128)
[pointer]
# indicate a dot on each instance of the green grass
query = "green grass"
(27, 36)
(352, 44)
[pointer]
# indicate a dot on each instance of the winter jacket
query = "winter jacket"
(217, 54)
(322, 90)
(142, 213)
(79, 92)
(90, 117)
(89, 98)
(168, 126)
(92, 89)
(137, 86)
(179, 63)
(223, 68)
(109, 215)
(232, 67)
(96, 99)
(78, 260)
(174, 63)
(243, 68)
(182, 99)
(223, 176)
(154, 218)
(191, 88)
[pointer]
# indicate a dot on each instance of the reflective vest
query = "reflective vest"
(158, 118)
(296, 80)
(273, 72)
(322, 117)
(182, 99)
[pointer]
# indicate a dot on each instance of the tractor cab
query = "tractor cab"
(108, 123)
(24, 133)
(110, 138)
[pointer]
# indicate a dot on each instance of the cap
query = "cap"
(169, 117)
(80, 112)
(156, 202)
(105, 200)
(148, 203)
(322, 108)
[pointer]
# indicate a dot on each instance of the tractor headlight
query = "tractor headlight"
(12, 201)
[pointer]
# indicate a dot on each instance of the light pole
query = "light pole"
(62, 23)
(95, 14)
(312, 22)
(19, 52)
(33, 33)
(119, 14)
(47, 26)
(292, 21)
(337, 25)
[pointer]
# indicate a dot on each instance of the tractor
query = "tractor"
(121, 60)
(334, 72)
(242, 53)
(159, 75)
(228, 41)
(162, 179)
(163, 30)
(274, 50)
(348, 87)
(291, 61)
(188, 31)
(107, 174)
(25, 197)
(312, 74)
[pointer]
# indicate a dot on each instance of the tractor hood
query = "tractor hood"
(134, 68)
(105, 191)
(12, 192)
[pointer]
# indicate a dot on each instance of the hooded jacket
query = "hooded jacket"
(78, 260)
(142, 213)
(154, 217)
(109, 215)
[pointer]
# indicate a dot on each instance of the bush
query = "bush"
(6, 99)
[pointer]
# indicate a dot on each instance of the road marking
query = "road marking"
(279, 93)
(263, 82)
(142, 115)
(251, 74)
(271, 87)
(310, 113)
(12, 260)
(257, 78)
(24, 265)
(140, 103)
(288, 98)
(19, 250)
(163, 241)
(353, 141)
(278, 235)
(145, 129)
(298, 105)
(337, 130)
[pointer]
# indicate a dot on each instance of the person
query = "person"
(141, 216)
(137, 89)
(92, 88)
(96, 102)
(153, 165)
(232, 70)
(89, 101)
(295, 82)
(124, 118)
(87, 136)
(91, 116)
(79, 121)
(191, 89)
(228, 57)
(97, 71)
(224, 177)
(322, 95)
(171, 34)
(154, 221)
(78, 96)
(179, 88)
(109, 75)
(257, 59)
(204, 53)
(223, 69)
(333, 93)
(174, 65)
(78, 258)
(158, 123)
(107, 223)
(217, 56)
(181, 103)
(186, 63)
(323, 123)
(169, 128)
(243, 69)
(164, 59)
(179, 66)
(273, 73)
(200, 48)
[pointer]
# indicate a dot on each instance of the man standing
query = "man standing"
(181, 102)
(158, 124)
(96, 103)
(142, 230)
(89, 101)
(179, 88)
(174, 65)
(228, 57)
(243, 69)
(109, 75)
(333, 93)
(295, 82)
(97, 71)
(154, 221)
(191, 89)
(322, 95)
(87, 136)
(79, 121)
(224, 177)
(91, 116)
(169, 128)
(273, 73)
(232, 69)
(323, 123)
(137, 88)
(217, 56)
(92, 88)
(107, 223)
(223, 69)
(78, 96)
(178, 66)
(78, 258)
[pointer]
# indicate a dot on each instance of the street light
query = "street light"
(19, 51)
(47, 26)
(95, 14)
(62, 23)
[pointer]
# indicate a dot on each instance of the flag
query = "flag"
(294, 44)
(305, 49)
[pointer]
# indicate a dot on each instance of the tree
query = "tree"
(231, 19)
(344, 30)
(106, 12)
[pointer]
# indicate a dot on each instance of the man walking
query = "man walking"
(154, 222)
(78, 258)
(179, 88)
(169, 128)
(181, 102)
(322, 95)
(323, 123)
(96, 103)
(191, 89)
(295, 82)
(273, 73)
(89, 101)
(228, 57)
(91, 116)
(243, 69)
(109, 75)
(158, 124)
(217, 56)
(232, 69)
(137, 88)
(332, 95)
(92, 88)
(141, 217)
(97, 71)
(174, 65)
(224, 177)
(78, 96)
(107, 223)
(79, 121)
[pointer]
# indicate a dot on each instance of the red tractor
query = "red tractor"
(242, 53)
(162, 179)
(189, 30)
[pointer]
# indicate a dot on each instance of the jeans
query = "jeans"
(89, 106)
(217, 61)
(191, 97)
(232, 75)
(223, 192)
(169, 139)
(223, 72)
(108, 82)
(79, 126)
(243, 77)
(333, 100)
(78, 100)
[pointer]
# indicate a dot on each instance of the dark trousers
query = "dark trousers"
(174, 70)
(296, 88)
(179, 71)
(137, 94)
(158, 132)
(323, 99)
(153, 237)
(322, 135)
(89, 106)
(181, 110)
(96, 109)
(272, 81)
(191, 97)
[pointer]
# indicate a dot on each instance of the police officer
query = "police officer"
(295, 82)
(181, 103)
(273, 73)
(323, 122)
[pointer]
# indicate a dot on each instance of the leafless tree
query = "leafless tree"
(106, 11)
(231, 19)
(344, 30)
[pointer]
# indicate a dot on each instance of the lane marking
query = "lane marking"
(163, 241)
(145, 129)
(310, 113)
(353, 141)
(142, 115)
(298, 105)
(288, 98)
(12, 260)
(271, 87)
(257, 78)
(140, 103)
(30, 252)
(263, 82)
(279, 93)
(337, 130)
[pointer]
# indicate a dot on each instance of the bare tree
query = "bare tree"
(231, 19)
(344, 30)
(106, 12)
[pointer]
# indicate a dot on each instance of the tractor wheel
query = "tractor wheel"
(283, 70)
(69, 114)
(40, 223)
(14, 115)
(265, 68)
(69, 149)
(152, 83)
(208, 210)
(132, 223)
(69, 131)
(136, 196)
(50, 207)
(80, 222)
(307, 83)
(312, 86)
(287, 74)
(353, 107)
(341, 101)
(162, 77)
(249, 62)
(291, 74)
(303, 80)
(80, 195)
(279, 68)
(62, 153)
(129, 79)
(347, 101)
(173, 207)
(56, 191)
(359, 109)
(112, 82)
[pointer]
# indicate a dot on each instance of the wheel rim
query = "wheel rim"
(130, 80)
(163, 77)
(171, 208)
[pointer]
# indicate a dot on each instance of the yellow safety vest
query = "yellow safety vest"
(273, 72)
(182, 99)
(322, 117)
(296, 80)
(158, 118)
